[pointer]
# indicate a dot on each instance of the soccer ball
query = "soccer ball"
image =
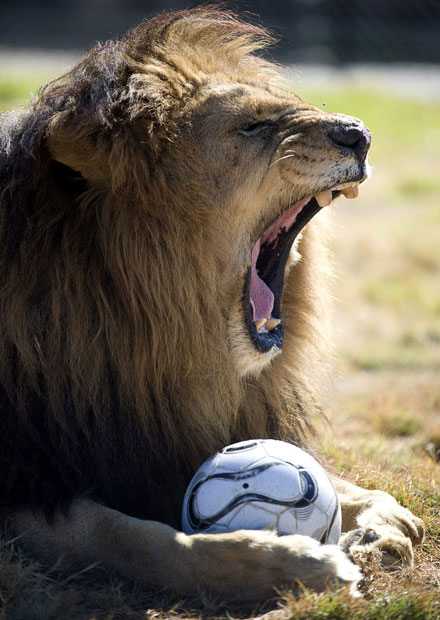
(262, 483)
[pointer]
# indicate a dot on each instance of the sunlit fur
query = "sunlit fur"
(122, 260)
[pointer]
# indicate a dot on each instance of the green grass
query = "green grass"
(400, 424)
(16, 92)
(416, 187)
(409, 606)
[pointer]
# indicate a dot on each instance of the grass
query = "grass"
(385, 408)
(16, 92)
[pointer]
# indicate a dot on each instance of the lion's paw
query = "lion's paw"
(359, 537)
(389, 515)
(396, 549)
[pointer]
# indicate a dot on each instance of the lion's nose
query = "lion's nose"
(356, 138)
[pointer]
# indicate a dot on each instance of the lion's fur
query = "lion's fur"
(117, 279)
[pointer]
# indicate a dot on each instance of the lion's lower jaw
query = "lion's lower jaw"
(248, 360)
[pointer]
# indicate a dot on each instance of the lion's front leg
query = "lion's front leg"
(243, 565)
(374, 519)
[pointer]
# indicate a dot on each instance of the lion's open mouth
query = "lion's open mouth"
(264, 285)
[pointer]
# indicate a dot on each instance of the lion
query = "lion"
(162, 297)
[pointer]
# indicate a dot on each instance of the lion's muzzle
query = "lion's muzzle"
(355, 138)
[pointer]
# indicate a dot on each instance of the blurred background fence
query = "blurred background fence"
(311, 31)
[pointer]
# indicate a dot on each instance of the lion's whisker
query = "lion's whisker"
(289, 156)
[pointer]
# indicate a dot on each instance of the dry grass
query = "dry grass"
(385, 429)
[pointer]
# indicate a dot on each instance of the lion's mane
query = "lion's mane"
(116, 376)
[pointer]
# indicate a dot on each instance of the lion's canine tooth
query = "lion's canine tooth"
(260, 323)
(324, 198)
(343, 186)
(272, 323)
(351, 192)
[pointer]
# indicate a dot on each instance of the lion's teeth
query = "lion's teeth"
(351, 192)
(260, 323)
(266, 325)
(324, 198)
(272, 323)
(344, 186)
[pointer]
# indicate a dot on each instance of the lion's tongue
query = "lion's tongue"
(261, 297)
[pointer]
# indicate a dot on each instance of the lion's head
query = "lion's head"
(153, 205)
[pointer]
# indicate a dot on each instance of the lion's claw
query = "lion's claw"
(361, 536)
(396, 549)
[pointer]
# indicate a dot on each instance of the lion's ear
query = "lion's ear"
(101, 144)
(105, 157)
(74, 143)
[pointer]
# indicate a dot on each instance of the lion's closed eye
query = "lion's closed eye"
(256, 128)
